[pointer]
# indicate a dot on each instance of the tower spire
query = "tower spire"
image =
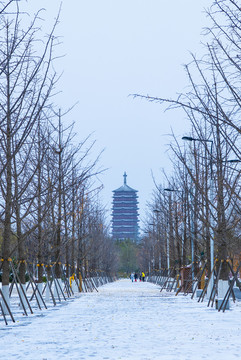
(125, 176)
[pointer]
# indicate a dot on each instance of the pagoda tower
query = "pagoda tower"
(125, 213)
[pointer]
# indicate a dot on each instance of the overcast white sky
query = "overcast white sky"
(119, 47)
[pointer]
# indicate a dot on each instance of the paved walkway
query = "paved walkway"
(129, 321)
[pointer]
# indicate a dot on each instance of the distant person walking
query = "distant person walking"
(135, 276)
(143, 276)
(132, 277)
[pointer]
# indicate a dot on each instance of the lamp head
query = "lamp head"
(234, 161)
(187, 138)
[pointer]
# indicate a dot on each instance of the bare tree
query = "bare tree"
(26, 84)
(213, 107)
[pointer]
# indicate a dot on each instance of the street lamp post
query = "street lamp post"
(175, 190)
(211, 283)
(169, 228)
(152, 248)
(157, 212)
(189, 138)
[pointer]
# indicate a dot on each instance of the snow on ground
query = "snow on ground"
(125, 320)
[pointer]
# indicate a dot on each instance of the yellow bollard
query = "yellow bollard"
(70, 280)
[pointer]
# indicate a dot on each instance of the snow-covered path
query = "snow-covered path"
(125, 320)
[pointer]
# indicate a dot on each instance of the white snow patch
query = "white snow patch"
(125, 320)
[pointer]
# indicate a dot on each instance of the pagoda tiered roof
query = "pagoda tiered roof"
(125, 212)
